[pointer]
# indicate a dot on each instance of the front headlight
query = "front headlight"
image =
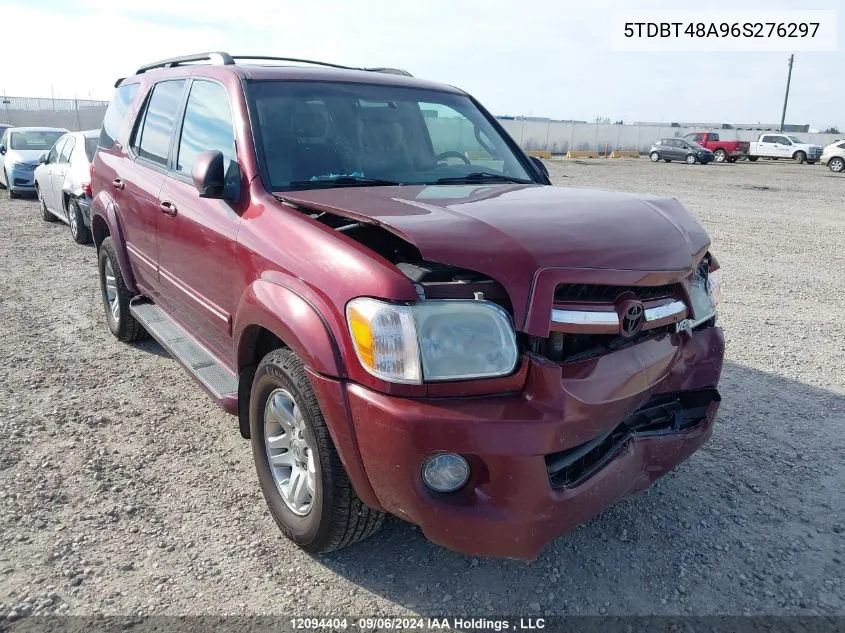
(432, 340)
(714, 288)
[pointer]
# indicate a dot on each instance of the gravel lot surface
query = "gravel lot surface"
(124, 490)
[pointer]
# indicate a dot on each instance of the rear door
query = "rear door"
(197, 236)
(139, 178)
(58, 172)
(768, 146)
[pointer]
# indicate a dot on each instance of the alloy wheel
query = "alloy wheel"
(72, 220)
(837, 165)
(290, 455)
(110, 292)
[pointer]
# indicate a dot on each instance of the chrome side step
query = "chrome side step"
(184, 348)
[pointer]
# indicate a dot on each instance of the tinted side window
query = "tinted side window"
(116, 112)
(768, 139)
(208, 125)
(152, 139)
(714, 137)
(67, 150)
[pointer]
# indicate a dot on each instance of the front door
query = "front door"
(197, 236)
(45, 184)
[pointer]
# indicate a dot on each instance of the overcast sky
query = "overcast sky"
(543, 58)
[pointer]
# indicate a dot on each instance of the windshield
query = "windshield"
(794, 139)
(33, 140)
(315, 134)
(90, 147)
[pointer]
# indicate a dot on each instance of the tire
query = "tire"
(836, 164)
(753, 159)
(45, 214)
(12, 194)
(732, 159)
(720, 156)
(336, 517)
(654, 156)
(667, 160)
(78, 231)
(800, 158)
(690, 159)
(120, 321)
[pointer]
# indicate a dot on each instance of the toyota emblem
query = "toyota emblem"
(632, 320)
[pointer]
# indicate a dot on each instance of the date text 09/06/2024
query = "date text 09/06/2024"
(417, 623)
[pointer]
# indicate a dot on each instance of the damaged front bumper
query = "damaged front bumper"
(576, 439)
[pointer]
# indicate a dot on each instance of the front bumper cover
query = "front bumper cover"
(510, 508)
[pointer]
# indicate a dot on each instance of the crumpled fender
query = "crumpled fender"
(106, 209)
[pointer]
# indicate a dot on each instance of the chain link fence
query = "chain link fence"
(71, 114)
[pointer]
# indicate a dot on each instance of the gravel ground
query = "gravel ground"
(123, 490)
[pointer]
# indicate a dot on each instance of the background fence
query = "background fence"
(71, 114)
(555, 136)
(559, 137)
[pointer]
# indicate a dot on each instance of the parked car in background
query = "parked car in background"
(670, 149)
(834, 156)
(20, 148)
(724, 150)
(63, 182)
(781, 146)
(401, 325)
(4, 127)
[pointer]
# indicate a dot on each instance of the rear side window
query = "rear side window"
(768, 139)
(116, 113)
(152, 139)
(67, 150)
(207, 126)
(713, 137)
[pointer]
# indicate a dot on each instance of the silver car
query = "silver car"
(63, 182)
(20, 148)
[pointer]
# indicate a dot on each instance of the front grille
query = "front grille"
(25, 167)
(560, 347)
(661, 415)
(594, 293)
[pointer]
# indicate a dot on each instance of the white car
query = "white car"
(63, 182)
(834, 156)
(20, 148)
(782, 146)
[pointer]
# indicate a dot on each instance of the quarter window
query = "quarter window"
(116, 113)
(207, 126)
(152, 139)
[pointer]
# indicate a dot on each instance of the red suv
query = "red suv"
(402, 312)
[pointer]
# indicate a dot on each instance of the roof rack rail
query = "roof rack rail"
(224, 59)
(220, 58)
(392, 71)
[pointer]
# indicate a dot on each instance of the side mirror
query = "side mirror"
(2, 149)
(540, 165)
(42, 159)
(209, 176)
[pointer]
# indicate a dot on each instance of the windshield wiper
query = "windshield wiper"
(343, 181)
(481, 176)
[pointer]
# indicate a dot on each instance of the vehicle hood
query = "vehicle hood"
(510, 232)
(30, 156)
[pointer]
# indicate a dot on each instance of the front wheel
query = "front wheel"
(78, 231)
(116, 296)
(303, 480)
(12, 194)
(800, 158)
(836, 165)
(654, 156)
(690, 159)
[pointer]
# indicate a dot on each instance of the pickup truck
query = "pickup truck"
(724, 150)
(777, 146)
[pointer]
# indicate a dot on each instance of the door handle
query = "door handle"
(168, 208)
(118, 184)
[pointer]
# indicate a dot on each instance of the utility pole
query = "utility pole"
(786, 97)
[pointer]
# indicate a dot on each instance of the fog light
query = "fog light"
(445, 472)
